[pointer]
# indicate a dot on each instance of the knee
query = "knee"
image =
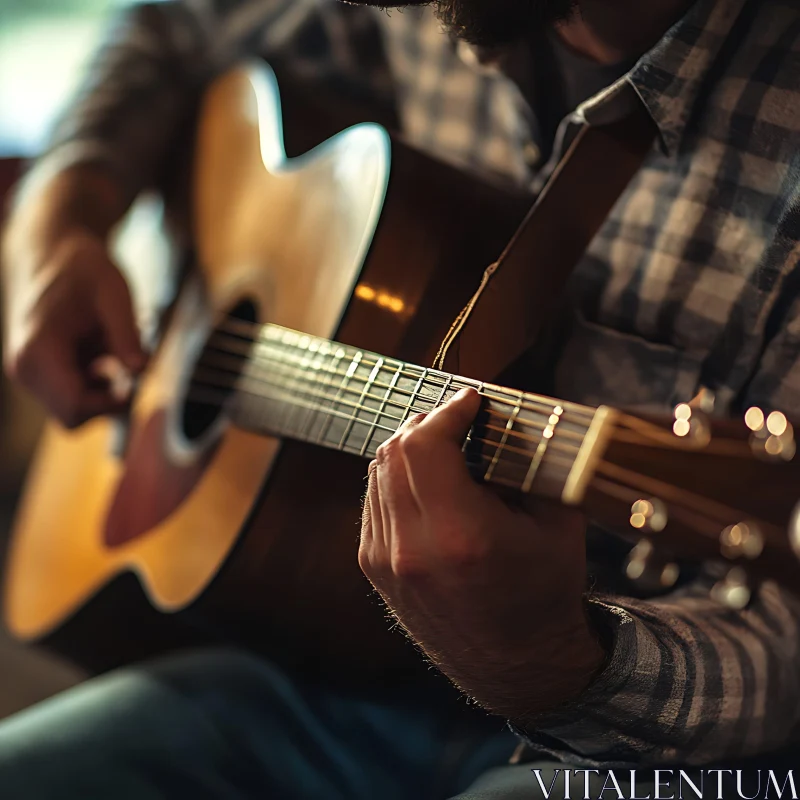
(220, 671)
(151, 700)
(157, 711)
(211, 664)
(147, 697)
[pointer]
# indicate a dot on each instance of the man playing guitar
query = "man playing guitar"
(689, 284)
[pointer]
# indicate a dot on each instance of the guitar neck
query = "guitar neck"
(313, 390)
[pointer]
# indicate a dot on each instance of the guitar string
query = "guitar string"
(314, 396)
(222, 359)
(531, 403)
(387, 401)
(681, 496)
(555, 461)
(514, 472)
(692, 501)
(518, 421)
(270, 377)
(282, 361)
(280, 348)
(627, 493)
(300, 365)
(610, 486)
(264, 342)
(303, 373)
(384, 401)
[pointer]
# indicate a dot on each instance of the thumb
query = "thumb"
(437, 470)
(115, 311)
(453, 420)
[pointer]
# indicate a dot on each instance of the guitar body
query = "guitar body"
(234, 537)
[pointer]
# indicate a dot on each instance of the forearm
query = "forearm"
(688, 682)
(139, 91)
(519, 675)
(132, 114)
(81, 197)
(121, 131)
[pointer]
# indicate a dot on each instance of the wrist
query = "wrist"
(574, 656)
(555, 665)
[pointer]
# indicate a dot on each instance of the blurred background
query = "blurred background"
(44, 49)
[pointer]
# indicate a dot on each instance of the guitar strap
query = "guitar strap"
(521, 291)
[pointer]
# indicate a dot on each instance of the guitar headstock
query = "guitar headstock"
(692, 487)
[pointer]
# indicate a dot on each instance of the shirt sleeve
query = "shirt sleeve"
(689, 681)
(145, 80)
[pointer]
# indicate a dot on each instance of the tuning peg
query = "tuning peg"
(705, 400)
(743, 540)
(733, 590)
(692, 424)
(649, 569)
(649, 515)
(772, 436)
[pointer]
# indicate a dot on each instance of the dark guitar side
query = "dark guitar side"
(292, 588)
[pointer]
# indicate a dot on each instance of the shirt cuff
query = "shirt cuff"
(582, 730)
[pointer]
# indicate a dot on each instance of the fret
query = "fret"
(320, 379)
(283, 354)
(302, 365)
(382, 408)
(501, 445)
(291, 383)
(458, 384)
(331, 371)
(445, 386)
(359, 406)
(468, 442)
(339, 397)
(541, 450)
(336, 400)
(264, 389)
(413, 396)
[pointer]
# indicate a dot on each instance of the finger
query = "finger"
(111, 371)
(371, 521)
(412, 422)
(453, 420)
(433, 453)
(62, 387)
(365, 541)
(399, 509)
(115, 310)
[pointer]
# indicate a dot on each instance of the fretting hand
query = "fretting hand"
(492, 593)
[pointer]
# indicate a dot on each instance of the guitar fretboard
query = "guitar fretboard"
(302, 387)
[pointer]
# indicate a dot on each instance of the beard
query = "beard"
(494, 23)
(491, 23)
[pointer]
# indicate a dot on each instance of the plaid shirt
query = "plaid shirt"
(693, 281)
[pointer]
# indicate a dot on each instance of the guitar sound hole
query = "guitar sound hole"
(219, 365)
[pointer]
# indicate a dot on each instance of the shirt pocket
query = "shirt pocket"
(599, 364)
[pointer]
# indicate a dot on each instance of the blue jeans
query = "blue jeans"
(225, 725)
(222, 725)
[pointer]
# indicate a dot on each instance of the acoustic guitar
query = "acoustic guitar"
(232, 492)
